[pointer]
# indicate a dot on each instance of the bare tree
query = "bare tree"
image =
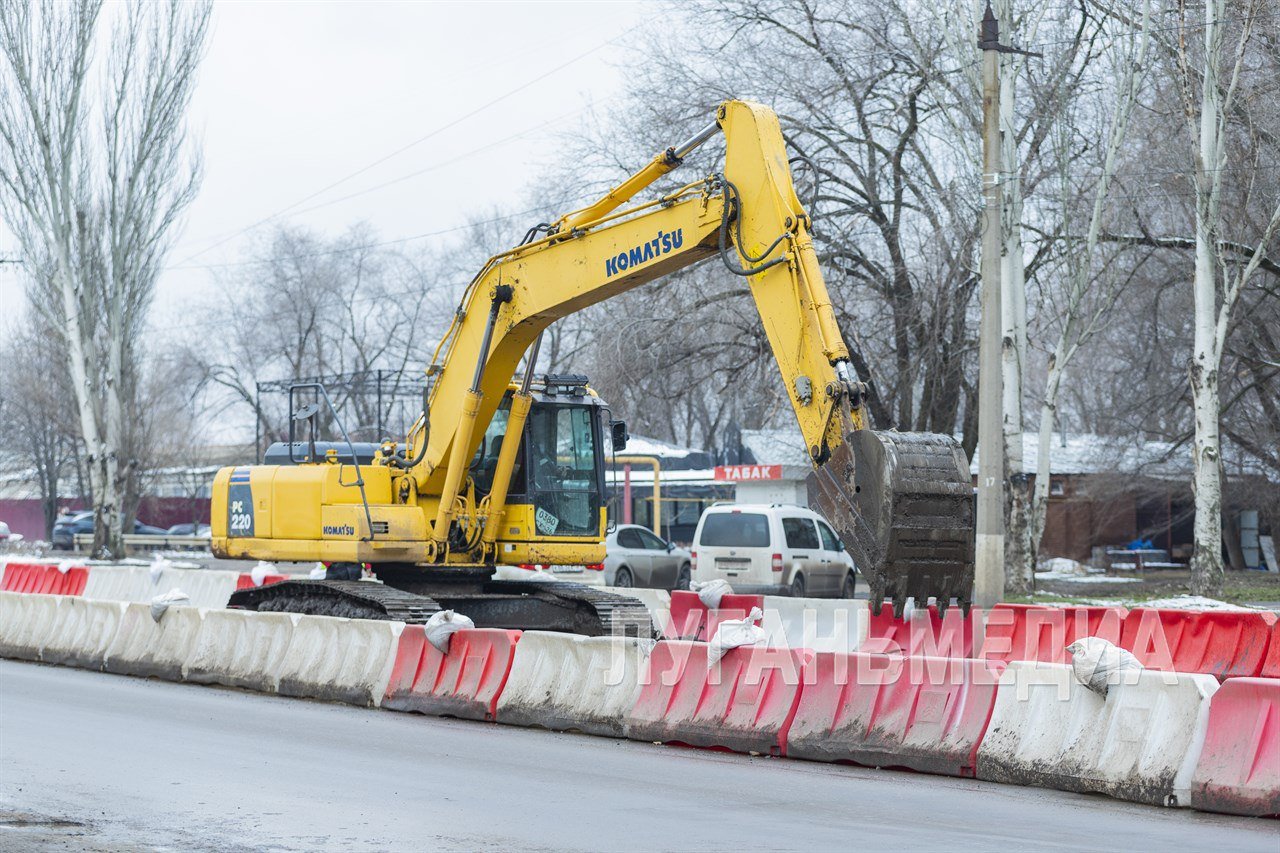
(1220, 277)
(93, 196)
(308, 306)
(37, 416)
(1091, 292)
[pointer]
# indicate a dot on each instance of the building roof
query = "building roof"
(1079, 453)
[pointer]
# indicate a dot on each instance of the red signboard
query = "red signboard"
(742, 473)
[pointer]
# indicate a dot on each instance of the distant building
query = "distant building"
(1103, 492)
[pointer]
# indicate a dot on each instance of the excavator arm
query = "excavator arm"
(901, 501)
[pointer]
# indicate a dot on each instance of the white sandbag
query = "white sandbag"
(161, 602)
(318, 573)
(259, 572)
(159, 565)
(732, 633)
(441, 627)
(1099, 663)
(710, 592)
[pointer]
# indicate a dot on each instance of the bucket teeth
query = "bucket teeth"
(902, 503)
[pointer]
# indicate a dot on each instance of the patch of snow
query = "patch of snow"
(1061, 566)
(1177, 602)
(1072, 578)
(1187, 602)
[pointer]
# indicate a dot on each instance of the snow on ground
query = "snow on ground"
(1177, 602)
(1063, 569)
(1188, 602)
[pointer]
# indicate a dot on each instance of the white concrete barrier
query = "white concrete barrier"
(205, 587)
(656, 601)
(571, 682)
(241, 648)
(81, 631)
(25, 621)
(121, 583)
(1140, 743)
(147, 648)
(343, 660)
(819, 624)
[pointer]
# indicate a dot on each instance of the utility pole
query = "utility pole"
(988, 576)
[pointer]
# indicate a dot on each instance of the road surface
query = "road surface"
(90, 761)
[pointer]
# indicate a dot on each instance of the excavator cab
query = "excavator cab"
(557, 484)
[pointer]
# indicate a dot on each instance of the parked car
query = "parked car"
(635, 556)
(190, 529)
(67, 527)
(773, 549)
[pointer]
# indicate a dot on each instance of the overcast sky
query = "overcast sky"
(295, 97)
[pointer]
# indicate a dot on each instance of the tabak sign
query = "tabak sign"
(746, 473)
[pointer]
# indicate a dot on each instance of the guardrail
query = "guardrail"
(134, 543)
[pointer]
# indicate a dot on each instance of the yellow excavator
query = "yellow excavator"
(507, 468)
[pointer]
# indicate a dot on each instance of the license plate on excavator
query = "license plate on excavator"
(903, 504)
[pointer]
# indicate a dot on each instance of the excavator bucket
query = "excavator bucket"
(903, 504)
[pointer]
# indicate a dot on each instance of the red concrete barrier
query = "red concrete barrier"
(922, 713)
(44, 579)
(744, 703)
(245, 581)
(692, 620)
(1239, 767)
(1038, 632)
(465, 683)
(1224, 643)
(925, 633)
(1271, 663)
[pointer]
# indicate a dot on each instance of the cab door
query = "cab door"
(662, 566)
(805, 551)
(833, 563)
(635, 555)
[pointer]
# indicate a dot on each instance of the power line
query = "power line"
(437, 131)
(366, 246)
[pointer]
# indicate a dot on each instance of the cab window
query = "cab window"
(630, 538)
(735, 530)
(830, 541)
(799, 533)
(563, 474)
(651, 542)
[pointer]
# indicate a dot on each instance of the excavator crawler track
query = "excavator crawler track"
(527, 605)
(617, 615)
(350, 599)
(905, 514)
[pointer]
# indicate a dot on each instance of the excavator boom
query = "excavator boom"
(901, 501)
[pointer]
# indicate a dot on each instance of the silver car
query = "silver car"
(634, 556)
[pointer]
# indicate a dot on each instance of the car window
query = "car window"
(735, 529)
(799, 533)
(629, 538)
(651, 542)
(830, 541)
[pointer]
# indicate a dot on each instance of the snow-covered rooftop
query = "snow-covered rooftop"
(638, 445)
(1086, 453)
(776, 446)
(1079, 453)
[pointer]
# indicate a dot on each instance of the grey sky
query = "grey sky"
(294, 97)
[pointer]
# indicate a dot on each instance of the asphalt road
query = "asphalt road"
(90, 761)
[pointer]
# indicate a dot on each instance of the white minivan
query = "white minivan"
(775, 549)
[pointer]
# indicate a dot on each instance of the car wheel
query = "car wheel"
(850, 586)
(686, 575)
(797, 586)
(623, 578)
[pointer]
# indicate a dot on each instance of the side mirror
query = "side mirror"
(671, 546)
(619, 435)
